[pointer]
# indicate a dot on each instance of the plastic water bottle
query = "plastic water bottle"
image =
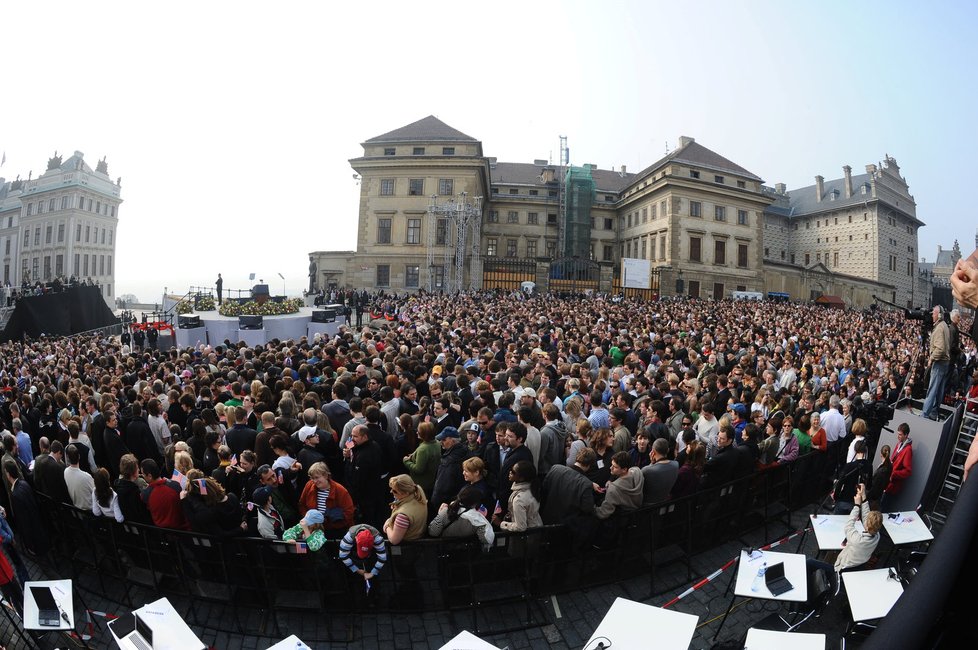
(759, 578)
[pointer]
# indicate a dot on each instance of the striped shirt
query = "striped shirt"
(321, 497)
(348, 554)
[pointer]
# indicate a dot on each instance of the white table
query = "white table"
(772, 640)
(465, 640)
(627, 626)
(291, 642)
(794, 571)
(907, 532)
(170, 631)
(61, 590)
(871, 593)
(830, 530)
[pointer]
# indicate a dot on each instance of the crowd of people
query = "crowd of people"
(466, 415)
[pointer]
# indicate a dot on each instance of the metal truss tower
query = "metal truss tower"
(457, 216)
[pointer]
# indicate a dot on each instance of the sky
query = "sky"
(232, 124)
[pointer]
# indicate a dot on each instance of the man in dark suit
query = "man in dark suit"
(240, 436)
(115, 446)
(516, 440)
(721, 468)
(26, 514)
(49, 471)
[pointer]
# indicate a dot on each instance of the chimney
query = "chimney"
(539, 162)
(819, 187)
(871, 169)
(623, 173)
(780, 188)
(685, 140)
(847, 170)
(938, 249)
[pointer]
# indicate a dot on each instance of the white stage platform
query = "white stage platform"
(215, 329)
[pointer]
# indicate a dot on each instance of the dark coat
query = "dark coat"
(130, 503)
(115, 449)
(720, 469)
(49, 478)
(241, 437)
(448, 479)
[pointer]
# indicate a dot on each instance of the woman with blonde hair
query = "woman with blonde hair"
(409, 511)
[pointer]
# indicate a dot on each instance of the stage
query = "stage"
(215, 329)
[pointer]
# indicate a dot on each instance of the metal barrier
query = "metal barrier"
(435, 574)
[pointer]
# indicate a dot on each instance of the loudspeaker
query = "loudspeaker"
(324, 316)
(188, 322)
(250, 322)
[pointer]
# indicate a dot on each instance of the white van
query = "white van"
(747, 295)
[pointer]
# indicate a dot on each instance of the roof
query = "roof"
(693, 153)
(830, 301)
(803, 200)
(429, 129)
(503, 173)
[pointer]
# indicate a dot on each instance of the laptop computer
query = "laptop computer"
(132, 632)
(48, 613)
(777, 584)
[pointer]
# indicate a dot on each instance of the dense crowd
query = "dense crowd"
(464, 415)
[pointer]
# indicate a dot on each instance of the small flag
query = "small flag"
(367, 582)
(498, 509)
(279, 474)
(180, 478)
(251, 506)
(234, 460)
(301, 548)
(202, 484)
(483, 510)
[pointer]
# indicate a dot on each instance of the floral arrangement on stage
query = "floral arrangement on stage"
(204, 303)
(252, 308)
(185, 307)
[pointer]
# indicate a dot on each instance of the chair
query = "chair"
(823, 586)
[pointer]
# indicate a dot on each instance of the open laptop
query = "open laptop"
(777, 584)
(133, 632)
(48, 613)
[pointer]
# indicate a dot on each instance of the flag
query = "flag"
(251, 506)
(301, 548)
(483, 510)
(202, 484)
(279, 475)
(368, 585)
(498, 510)
(179, 477)
(234, 460)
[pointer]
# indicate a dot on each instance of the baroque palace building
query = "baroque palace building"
(61, 224)
(705, 226)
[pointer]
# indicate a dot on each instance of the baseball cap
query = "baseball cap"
(436, 370)
(307, 432)
(740, 409)
(529, 392)
(866, 397)
(448, 432)
(474, 427)
(313, 517)
(261, 494)
(365, 542)
(186, 373)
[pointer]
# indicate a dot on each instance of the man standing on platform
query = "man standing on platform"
(939, 361)
(220, 289)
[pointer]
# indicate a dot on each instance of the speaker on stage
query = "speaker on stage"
(187, 322)
(324, 316)
(250, 322)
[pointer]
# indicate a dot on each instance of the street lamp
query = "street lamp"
(283, 285)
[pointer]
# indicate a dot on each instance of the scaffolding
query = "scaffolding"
(449, 226)
(576, 217)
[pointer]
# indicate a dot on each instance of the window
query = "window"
(65, 202)
(694, 288)
(23, 268)
(493, 216)
(551, 219)
(387, 187)
(37, 236)
(719, 252)
(446, 186)
(6, 273)
(742, 255)
(30, 209)
(792, 258)
(61, 233)
(645, 215)
(695, 209)
(7, 246)
(551, 249)
(719, 213)
(534, 192)
(552, 194)
(414, 231)
(89, 205)
(383, 231)
(27, 238)
(531, 248)
(742, 217)
(98, 207)
(609, 198)
(742, 185)
(662, 208)
(532, 218)
(767, 251)
(113, 214)
(645, 248)
(693, 173)
(47, 267)
(412, 276)
(441, 232)
(416, 187)
(448, 151)
(695, 249)
(418, 151)
(514, 190)
(77, 260)
(110, 238)
(78, 233)
(48, 234)
(662, 247)
(512, 216)
(101, 264)
(491, 247)
(654, 206)
(718, 291)
(835, 259)
(383, 275)
(808, 259)
(608, 253)
(609, 224)
(85, 265)
(718, 179)
(389, 151)
(109, 265)
(438, 276)
(51, 205)
(88, 234)
(629, 219)
(103, 235)
(510, 248)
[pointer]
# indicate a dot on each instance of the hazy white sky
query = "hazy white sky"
(231, 124)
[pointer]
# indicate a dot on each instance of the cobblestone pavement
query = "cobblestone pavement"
(566, 620)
